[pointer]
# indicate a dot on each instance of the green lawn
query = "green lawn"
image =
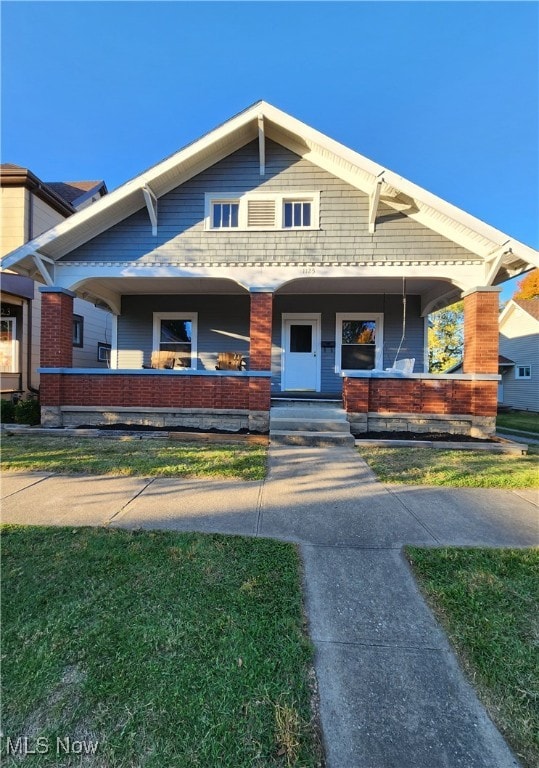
(526, 421)
(464, 469)
(170, 650)
(488, 602)
(148, 457)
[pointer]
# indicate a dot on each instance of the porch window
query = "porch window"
(8, 345)
(176, 333)
(78, 331)
(359, 342)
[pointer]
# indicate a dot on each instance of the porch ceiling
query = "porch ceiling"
(129, 286)
(434, 293)
(361, 285)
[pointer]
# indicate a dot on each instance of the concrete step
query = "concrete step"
(314, 439)
(284, 424)
(300, 412)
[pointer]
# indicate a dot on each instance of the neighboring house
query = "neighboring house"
(519, 344)
(28, 208)
(268, 239)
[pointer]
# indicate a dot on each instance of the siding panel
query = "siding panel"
(343, 235)
(223, 325)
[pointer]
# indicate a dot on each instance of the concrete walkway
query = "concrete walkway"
(391, 693)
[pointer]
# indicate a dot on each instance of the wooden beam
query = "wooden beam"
(493, 263)
(374, 199)
(151, 204)
(261, 145)
(38, 259)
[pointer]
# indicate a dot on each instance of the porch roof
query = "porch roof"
(505, 256)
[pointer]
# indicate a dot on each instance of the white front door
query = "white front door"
(301, 353)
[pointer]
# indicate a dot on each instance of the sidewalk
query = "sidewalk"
(391, 693)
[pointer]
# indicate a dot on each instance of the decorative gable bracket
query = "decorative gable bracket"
(494, 261)
(39, 260)
(374, 199)
(151, 204)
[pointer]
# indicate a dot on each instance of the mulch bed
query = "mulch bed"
(150, 428)
(444, 437)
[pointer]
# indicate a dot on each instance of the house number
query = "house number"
(308, 271)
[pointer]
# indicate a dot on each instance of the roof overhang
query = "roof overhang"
(504, 257)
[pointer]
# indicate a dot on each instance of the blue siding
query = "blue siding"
(343, 235)
(223, 325)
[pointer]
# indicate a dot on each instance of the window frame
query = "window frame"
(78, 331)
(292, 201)
(278, 198)
(378, 317)
(14, 365)
(193, 319)
(523, 377)
(223, 201)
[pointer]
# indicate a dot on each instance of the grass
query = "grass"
(487, 600)
(457, 469)
(161, 458)
(170, 650)
(526, 421)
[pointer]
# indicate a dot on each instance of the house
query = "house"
(519, 359)
(268, 239)
(28, 208)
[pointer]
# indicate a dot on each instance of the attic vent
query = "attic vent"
(261, 213)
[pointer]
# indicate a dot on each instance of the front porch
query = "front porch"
(326, 345)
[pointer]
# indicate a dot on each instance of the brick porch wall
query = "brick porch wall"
(420, 396)
(165, 391)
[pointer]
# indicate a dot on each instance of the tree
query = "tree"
(446, 337)
(528, 287)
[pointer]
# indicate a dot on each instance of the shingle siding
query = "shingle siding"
(343, 235)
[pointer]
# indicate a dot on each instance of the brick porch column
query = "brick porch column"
(481, 332)
(260, 331)
(56, 327)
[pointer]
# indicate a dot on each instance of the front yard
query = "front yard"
(169, 650)
(524, 421)
(459, 469)
(133, 456)
(487, 602)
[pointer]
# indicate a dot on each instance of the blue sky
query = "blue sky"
(444, 93)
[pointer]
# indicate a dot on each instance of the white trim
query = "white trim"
(151, 204)
(191, 316)
(426, 360)
(43, 269)
(525, 377)
(261, 145)
(13, 345)
(374, 199)
(316, 319)
(378, 317)
(114, 342)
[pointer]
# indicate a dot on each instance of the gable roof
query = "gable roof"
(529, 306)
(76, 192)
(63, 196)
(467, 231)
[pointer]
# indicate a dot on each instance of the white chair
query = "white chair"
(405, 366)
